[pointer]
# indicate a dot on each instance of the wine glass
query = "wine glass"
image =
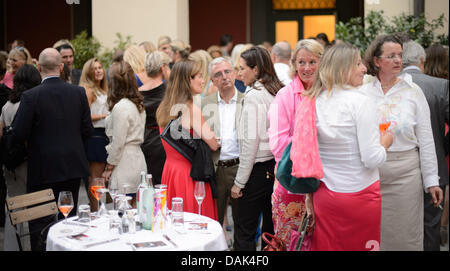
(65, 205)
(97, 186)
(199, 194)
(113, 191)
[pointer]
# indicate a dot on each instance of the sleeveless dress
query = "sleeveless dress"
(176, 175)
(96, 144)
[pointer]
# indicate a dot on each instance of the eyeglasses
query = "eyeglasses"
(219, 75)
(392, 57)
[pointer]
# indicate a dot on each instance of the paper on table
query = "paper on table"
(87, 241)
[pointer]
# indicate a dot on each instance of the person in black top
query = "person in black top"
(158, 70)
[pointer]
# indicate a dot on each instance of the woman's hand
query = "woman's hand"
(236, 192)
(310, 209)
(107, 172)
(386, 139)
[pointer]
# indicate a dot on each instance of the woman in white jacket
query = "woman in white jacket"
(125, 129)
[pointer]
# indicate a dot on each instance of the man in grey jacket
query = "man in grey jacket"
(437, 94)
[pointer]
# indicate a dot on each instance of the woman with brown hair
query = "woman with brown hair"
(411, 163)
(185, 82)
(125, 130)
(93, 79)
(436, 62)
(253, 185)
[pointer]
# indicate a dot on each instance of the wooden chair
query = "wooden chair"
(29, 207)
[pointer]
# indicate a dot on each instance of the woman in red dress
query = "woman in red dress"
(185, 81)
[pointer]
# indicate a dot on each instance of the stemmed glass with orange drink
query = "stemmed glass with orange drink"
(65, 205)
(98, 189)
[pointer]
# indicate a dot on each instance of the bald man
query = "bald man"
(54, 119)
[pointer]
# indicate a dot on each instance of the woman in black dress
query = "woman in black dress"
(158, 70)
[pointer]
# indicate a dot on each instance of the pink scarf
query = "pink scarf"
(305, 156)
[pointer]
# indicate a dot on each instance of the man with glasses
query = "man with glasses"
(221, 111)
(67, 52)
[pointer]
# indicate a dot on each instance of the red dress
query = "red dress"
(176, 175)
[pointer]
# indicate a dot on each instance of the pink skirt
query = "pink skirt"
(347, 221)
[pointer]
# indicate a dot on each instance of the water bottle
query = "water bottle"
(147, 199)
(139, 202)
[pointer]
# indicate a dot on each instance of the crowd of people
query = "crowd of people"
(380, 188)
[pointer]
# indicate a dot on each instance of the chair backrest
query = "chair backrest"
(30, 206)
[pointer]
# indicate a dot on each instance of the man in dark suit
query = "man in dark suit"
(221, 112)
(437, 94)
(54, 118)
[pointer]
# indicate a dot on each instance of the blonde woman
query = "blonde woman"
(164, 45)
(181, 50)
(288, 208)
(204, 58)
(347, 205)
(16, 58)
(93, 79)
(148, 46)
(135, 56)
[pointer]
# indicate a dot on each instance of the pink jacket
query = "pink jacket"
(281, 116)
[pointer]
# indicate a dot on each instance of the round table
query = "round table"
(97, 237)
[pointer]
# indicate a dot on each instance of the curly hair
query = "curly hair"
(122, 84)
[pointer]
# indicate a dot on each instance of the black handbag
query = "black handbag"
(180, 139)
(12, 153)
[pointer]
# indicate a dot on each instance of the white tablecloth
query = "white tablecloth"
(211, 239)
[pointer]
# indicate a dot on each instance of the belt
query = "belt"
(228, 163)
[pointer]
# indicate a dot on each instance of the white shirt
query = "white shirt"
(99, 107)
(406, 107)
(282, 71)
(227, 115)
(349, 140)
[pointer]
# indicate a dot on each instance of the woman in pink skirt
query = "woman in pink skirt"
(347, 205)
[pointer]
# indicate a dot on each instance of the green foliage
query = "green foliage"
(85, 49)
(418, 28)
(89, 47)
(120, 43)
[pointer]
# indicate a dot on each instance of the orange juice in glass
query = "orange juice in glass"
(384, 126)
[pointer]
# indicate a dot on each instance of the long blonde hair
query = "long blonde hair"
(178, 91)
(135, 56)
(87, 79)
(335, 69)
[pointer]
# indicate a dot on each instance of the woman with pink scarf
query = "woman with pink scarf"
(288, 208)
